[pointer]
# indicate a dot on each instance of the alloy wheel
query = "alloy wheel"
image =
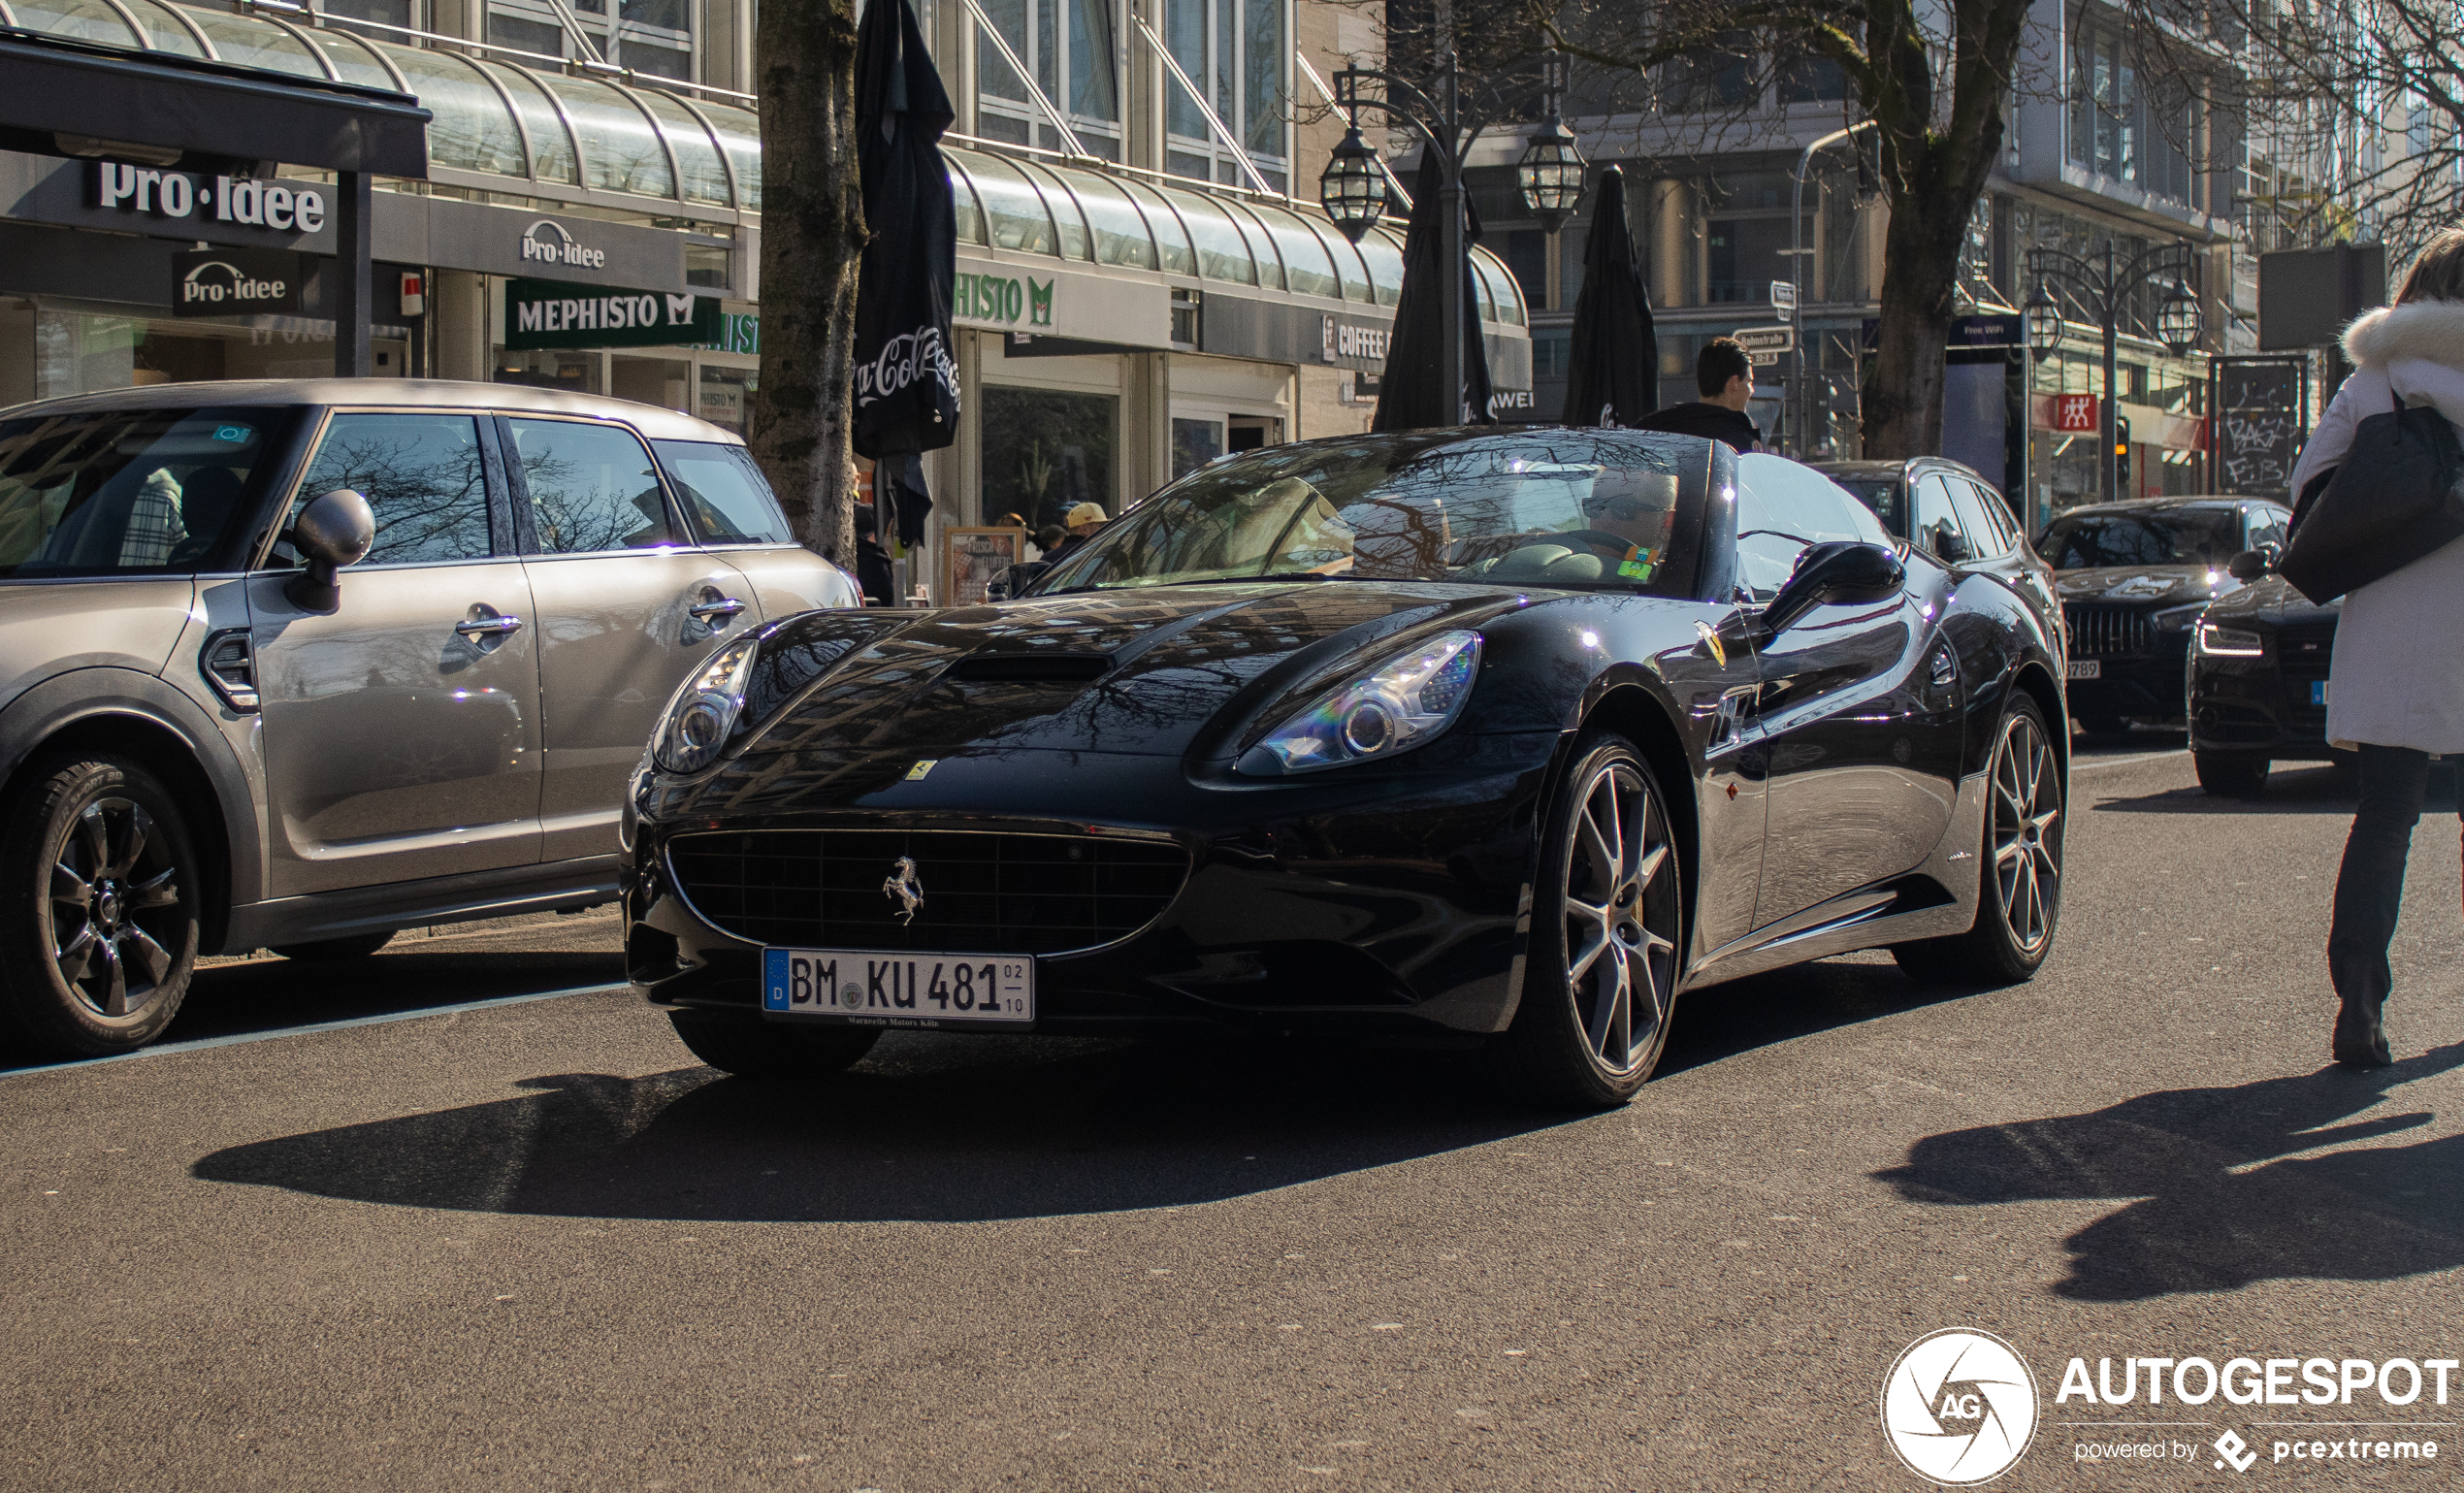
(1621, 918)
(116, 908)
(2028, 828)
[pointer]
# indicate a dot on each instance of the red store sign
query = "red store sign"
(2070, 413)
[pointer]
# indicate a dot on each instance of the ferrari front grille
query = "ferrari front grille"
(936, 890)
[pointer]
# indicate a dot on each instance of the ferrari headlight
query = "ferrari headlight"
(2179, 619)
(2229, 642)
(1408, 700)
(702, 715)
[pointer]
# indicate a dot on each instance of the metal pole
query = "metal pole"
(1451, 250)
(1797, 272)
(354, 235)
(2109, 470)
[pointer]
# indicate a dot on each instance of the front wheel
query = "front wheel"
(1602, 958)
(2231, 774)
(755, 1048)
(2018, 886)
(98, 932)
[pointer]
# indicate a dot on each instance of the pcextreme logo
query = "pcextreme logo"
(1960, 1406)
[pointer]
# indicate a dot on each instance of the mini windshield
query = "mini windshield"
(126, 491)
(1569, 509)
(2202, 536)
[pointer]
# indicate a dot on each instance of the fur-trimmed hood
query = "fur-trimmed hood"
(2417, 329)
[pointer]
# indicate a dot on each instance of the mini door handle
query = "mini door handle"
(722, 607)
(486, 627)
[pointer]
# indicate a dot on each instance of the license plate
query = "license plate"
(2086, 669)
(867, 986)
(2318, 692)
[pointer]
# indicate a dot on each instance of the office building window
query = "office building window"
(1240, 53)
(1073, 50)
(654, 37)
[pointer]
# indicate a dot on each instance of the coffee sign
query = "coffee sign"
(238, 282)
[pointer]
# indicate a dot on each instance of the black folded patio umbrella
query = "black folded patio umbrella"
(1409, 396)
(1613, 377)
(906, 394)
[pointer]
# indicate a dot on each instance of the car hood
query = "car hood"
(1154, 672)
(2272, 600)
(2153, 585)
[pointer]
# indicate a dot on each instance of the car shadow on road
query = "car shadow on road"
(1722, 1020)
(2227, 1193)
(947, 1128)
(2293, 788)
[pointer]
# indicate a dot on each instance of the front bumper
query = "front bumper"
(2258, 705)
(2146, 686)
(1386, 899)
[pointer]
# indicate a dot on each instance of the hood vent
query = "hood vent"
(1031, 667)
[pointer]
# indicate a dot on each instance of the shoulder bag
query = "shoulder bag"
(2392, 500)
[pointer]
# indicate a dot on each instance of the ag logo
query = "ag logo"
(1960, 1406)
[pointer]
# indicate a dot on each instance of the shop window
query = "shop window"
(1046, 451)
(1744, 258)
(1552, 351)
(1195, 444)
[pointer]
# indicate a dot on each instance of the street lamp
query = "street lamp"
(2103, 286)
(1550, 171)
(1353, 189)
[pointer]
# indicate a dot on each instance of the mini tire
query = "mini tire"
(1604, 952)
(2019, 877)
(769, 1051)
(326, 951)
(98, 941)
(2232, 774)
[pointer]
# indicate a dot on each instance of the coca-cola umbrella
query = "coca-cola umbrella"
(1613, 376)
(1409, 391)
(906, 384)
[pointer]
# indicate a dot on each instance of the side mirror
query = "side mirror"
(1841, 572)
(2251, 563)
(1949, 544)
(331, 532)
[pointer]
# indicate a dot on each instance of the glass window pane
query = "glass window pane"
(1195, 444)
(962, 200)
(1185, 30)
(551, 145)
(667, 14)
(1120, 232)
(705, 179)
(544, 38)
(1017, 210)
(1784, 510)
(126, 491)
(1976, 519)
(471, 129)
(1482, 290)
(1347, 265)
(740, 136)
(422, 475)
(592, 488)
(993, 74)
(252, 43)
(354, 59)
(1064, 211)
(1045, 452)
(1093, 53)
(1222, 253)
(87, 20)
(1307, 266)
(1384, 253)
(1262, 248)
(620, 151)
(656, 60)
(1172, 241)
(162, 30)
(723, 492)
(1263, 55)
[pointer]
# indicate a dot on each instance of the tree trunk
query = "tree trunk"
(812, 241)
(1903, 397)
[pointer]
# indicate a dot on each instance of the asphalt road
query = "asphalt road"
(533, 1245)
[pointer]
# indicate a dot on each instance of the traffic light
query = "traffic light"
(2121, 454)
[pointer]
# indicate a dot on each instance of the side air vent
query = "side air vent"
(1031, 667)
(230, 664)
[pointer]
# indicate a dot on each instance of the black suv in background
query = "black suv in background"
(1948, 512)
(2258, 683)
(2134, 579)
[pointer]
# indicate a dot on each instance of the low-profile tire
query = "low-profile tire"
(99, 920)
(773, 1051)
(1604, 954)
(328, 949)
(2232, 774)
(2018, 875)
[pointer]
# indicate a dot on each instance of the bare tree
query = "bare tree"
(1936, 79)
(812, 240)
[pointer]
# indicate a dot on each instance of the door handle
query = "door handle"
(718, 606)
(489, 627)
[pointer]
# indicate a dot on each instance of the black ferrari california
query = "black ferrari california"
(1504, 739)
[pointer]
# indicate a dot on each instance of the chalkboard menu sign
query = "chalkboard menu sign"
(2262, 417)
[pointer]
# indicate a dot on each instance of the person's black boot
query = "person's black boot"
(2361, 1037)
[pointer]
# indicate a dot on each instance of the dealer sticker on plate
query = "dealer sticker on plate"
(898, 989)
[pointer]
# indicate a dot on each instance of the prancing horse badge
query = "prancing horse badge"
(903, 884)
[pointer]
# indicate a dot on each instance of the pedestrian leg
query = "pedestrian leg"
(2369, 891)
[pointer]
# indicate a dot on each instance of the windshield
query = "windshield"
(126, 492)
(1572, 509)
(1880, 493)
(2201, 536)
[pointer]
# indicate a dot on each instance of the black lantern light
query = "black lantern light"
(1551, 169)
(1353, 188)
(2044, 322)
(2178, 319)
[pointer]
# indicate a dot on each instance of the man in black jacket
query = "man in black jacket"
(873, 574)
(1726, 376)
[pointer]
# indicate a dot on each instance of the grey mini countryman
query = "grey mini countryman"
(297, 664)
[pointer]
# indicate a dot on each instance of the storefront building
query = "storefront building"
(594, 226)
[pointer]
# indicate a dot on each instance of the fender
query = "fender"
(97, 695)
